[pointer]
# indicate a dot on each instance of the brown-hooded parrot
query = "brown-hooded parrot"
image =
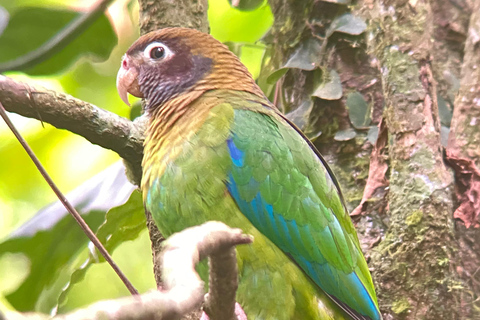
(217, 149)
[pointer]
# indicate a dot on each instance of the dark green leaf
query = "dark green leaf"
(358, 110)
(331, 89)
(306, 57)
(52, 240)
(301, 115)
(347, 23)
(30, 27)
(345, 135)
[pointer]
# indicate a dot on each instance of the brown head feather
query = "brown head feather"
(192, 61)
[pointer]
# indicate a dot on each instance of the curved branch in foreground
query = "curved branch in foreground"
(98, 126)
(183, 289)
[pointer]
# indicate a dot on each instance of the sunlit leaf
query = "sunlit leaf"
(30, 27)
(347, 23)
(230, 24)
(345, 135)
(358, 110)
(252, 57)
(331, 89)
(52, 239)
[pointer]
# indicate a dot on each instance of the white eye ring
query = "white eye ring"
(159, 48)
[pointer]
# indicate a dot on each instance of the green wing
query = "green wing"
(283, 187)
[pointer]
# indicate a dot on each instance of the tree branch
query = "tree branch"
(58, 41)
(183, 289)
(98, 126)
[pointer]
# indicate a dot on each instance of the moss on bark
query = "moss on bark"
(415, 263)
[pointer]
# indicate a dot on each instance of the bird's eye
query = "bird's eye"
(157, 51)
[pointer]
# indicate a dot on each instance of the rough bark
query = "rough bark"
(464, 146)
(179, 13)
(420, 263)
(415, 264)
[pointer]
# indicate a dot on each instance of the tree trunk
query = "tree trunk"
(424, 263)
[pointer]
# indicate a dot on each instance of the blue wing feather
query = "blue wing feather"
(287, 233)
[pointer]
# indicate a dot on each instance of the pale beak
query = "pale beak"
(127, 80)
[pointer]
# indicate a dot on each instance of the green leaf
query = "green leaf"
(347, 23)
(331, 89)
(345, 135)
(306, 57)
(230, 24)
(31, 27)
(301, 115)
(123, 223)
(52, 239)
(358, 110)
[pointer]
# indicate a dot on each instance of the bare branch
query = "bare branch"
(58, 41)
(98, 126)
(183, 291)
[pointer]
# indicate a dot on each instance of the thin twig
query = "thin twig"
(58, 41)
(93, 238)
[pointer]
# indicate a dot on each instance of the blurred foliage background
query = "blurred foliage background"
(85, 69)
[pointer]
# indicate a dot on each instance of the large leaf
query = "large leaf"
(306, 57)
(51, 240)
(122, 224)
(30, 27)
(347, 23)
(330, 88)
(358, 110)
(230, 24)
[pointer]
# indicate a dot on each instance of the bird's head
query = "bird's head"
(163, 64)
